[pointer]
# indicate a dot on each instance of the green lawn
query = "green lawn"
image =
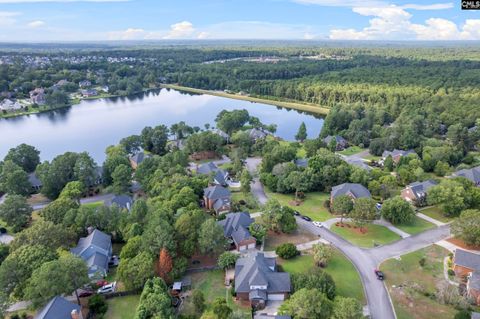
(375, 233)
(250, 200)
(312, 205)
(344, 274)
(419, 225)
(436, 213)
(413, 282)
(352, 150)
(93, 205)
(212, 284)
(122, 307)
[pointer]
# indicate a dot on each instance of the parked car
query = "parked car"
(318, 224)
(308, 219)
(378, 206)
(296, 213)
(85, 293)
(101, 283)
(107, 288)
(114, 261)
(380, 275)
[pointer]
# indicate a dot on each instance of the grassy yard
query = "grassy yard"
(409, 282)
(212, 284)
(419, 225)
(93, 205)
(344, 274)
(299, 236)
(436, 213)
(375, 233)
(352, 150)
(312, 205)
(252, 204)
(122, 307)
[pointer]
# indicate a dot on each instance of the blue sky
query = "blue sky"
(99, 20)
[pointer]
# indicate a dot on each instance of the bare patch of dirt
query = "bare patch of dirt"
(462, 244)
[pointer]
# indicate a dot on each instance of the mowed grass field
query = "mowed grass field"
(374, 234)
(419, 225)
(311, 206)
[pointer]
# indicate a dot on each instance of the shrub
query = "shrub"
(451, 272)
(462, 314)
(287, 251)
(422, 261)
(97, 305)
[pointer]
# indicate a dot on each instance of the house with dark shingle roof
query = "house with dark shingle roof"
(220, 177)
(472, 174)
(96, 251)
(467, 266)
(340, 141)
(358, 162)
(137, 159)
(256, 134)
(258, 281)
(121, 201)
(60, 308)
(396, 155)
(416, 193)
(217, 198)
(235, 228)
(301, 162)
(352, 190)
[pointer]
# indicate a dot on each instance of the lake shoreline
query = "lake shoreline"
(311, 108)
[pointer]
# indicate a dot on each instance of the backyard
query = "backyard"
(419, 225)
(299, 236)
(347, 280)
(372, 234)
(352, 150)
(122, 307)
(412, 285)
(212, 284)
(311, 206)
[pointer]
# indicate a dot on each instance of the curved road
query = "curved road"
(364, 260)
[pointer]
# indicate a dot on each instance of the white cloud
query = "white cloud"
(374, 4)
(203, 35)
(308, 36)
(36, 24)
(128, 34)
(182, 29)
(7, 18)
(40, 1)
(394, 23)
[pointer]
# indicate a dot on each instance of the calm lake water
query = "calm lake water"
(92, 125)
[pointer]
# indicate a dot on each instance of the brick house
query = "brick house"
(217, 198)
(235, 228)
(416, 193)
(352, 190)
(258, 281)
(467, 266)
(137, 159)
(396, 155)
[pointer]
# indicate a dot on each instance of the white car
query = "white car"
(318, 224)
(107, 288)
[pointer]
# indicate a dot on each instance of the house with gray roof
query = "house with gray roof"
(35, 182)
(396, 155)
(352, 190)
(258, 281)
(220, 177)
(217, 198)
(60, 308)
(96, 251)
(256, 134)
(358, 162)
(10, 105)
(466, 265)
(235, 228)
(475, 315)
(121, 201)
(416, 193)
(222, 134)
(472, 174)
(137, 159)
(340, 142)
(301, 162)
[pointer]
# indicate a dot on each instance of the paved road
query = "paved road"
(252, 164)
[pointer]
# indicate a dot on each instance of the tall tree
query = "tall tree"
(342, 205)
(398, 211)
(245, 180)
(302, 133)
(364, 211)
(121, 177)
(15, 211)
(467, 227)
(322, 253)
(164, 265)
(13, 179)
(278, 218)
(306, 304)
(25, 156)
(347, 308)
(211, 239)
(134, 272)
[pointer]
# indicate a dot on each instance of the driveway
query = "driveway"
(93, 199)
(271, 308)
(252, 164)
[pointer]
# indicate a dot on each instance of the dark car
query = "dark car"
(296, 213)
(308, 219)
(85, 293)
(380, 275)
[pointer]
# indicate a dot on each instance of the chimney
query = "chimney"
(90, 229)
(75, 314)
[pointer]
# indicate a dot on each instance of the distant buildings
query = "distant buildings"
(89, 92)
(37, 96)
(9, 105)
(84, 84)
(35, 182)
(96, 251)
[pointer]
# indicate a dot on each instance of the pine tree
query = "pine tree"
(302, 133)
(164, 265)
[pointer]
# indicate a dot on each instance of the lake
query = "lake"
(93, 125)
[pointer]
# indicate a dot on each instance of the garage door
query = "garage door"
(251, 246)
(242, 248)
(276, 296)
